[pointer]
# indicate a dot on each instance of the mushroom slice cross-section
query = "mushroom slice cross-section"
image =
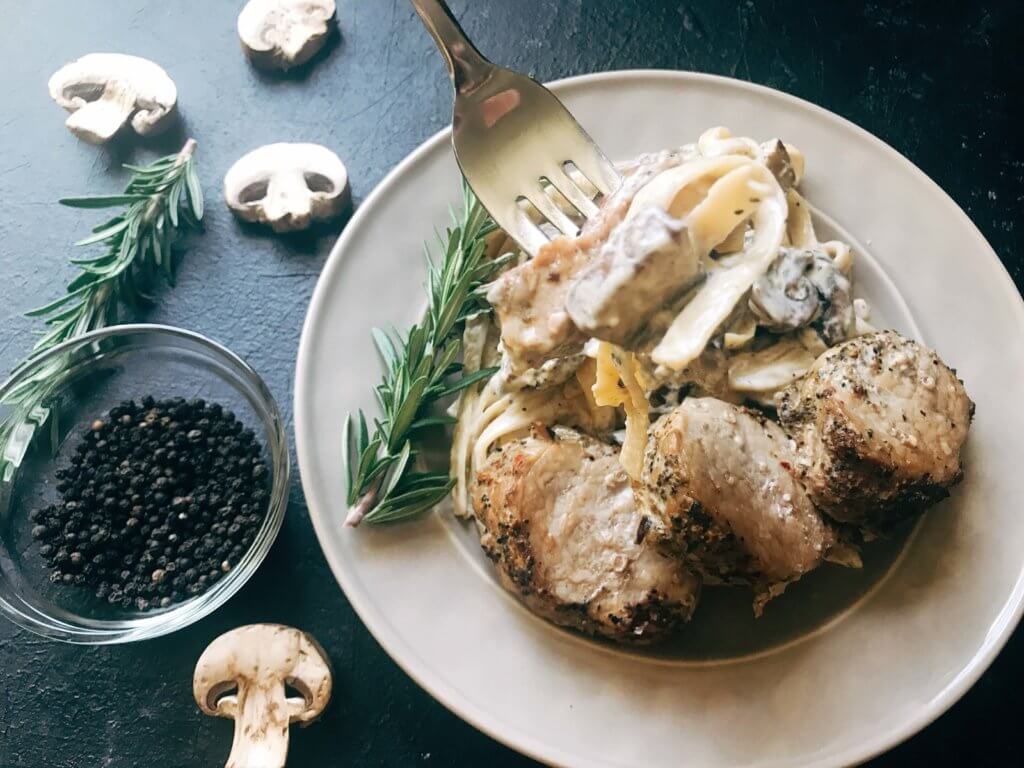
(287, 186)
(284, 33)
(102, 91)
(242, 675)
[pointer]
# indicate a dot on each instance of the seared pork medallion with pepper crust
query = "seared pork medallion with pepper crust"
(717, 480)
(880, 421)
(560, 523)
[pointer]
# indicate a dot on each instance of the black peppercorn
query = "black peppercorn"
(159, 501)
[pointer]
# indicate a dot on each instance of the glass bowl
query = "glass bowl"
(94, 373)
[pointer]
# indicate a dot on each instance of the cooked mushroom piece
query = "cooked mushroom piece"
(766, 370)
(803, 287)
(777, 158)
(783, 298)
(648, 260)
(837, 321)
(242, 675)
(102, 91)
(284, 33)
(287, 186)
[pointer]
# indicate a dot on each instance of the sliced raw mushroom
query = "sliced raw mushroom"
(287, 186)
(243, 675)
(102, 91)
(284, 33)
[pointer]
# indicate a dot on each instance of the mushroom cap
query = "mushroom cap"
(803, 287)
(284, 33)
(263, 655)
(837, 319)
(140, 87)
(287, 185)
(784, 298)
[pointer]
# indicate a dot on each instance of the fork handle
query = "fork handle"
(466, 66)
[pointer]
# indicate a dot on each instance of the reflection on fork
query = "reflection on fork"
(529, 162)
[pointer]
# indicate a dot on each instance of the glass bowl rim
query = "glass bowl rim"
(108, 632)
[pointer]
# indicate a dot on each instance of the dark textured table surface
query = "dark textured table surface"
(940, 81)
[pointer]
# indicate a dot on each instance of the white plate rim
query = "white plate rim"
(406, 658)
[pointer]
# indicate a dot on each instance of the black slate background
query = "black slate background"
(940, 81)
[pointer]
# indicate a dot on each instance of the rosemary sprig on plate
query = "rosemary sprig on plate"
(161, 200)
(420, 368)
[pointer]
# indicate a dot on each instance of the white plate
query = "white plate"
(842, 667)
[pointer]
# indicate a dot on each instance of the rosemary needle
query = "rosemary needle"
(420, 368)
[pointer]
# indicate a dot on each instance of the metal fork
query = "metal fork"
(514, 140)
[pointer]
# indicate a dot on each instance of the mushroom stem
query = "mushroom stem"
(289, 202)
(98, 120)
(358, 511)
(261, 728)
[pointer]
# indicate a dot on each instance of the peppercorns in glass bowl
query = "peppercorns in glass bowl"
(144, 491)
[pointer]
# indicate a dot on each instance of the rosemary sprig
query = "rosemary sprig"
(160, 201)
(420, 368)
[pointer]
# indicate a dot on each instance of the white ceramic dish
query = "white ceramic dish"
(841, 668)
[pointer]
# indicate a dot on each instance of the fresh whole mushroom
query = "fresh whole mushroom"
(287, 186)
(242, 675)
(102, 91)
(284, 33)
